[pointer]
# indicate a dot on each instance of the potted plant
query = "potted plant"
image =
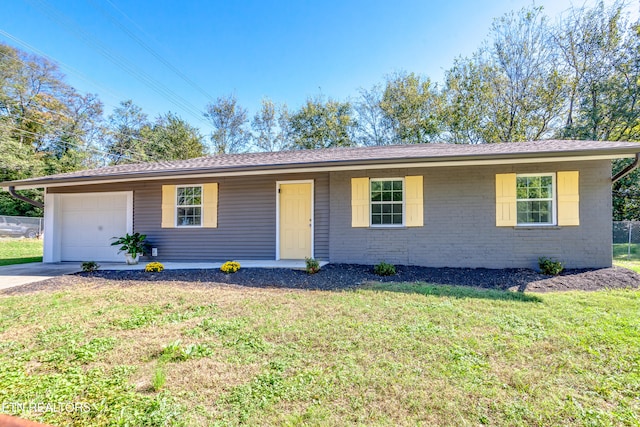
(133, 245)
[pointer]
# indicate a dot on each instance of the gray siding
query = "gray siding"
(459, 225)
(246, 218)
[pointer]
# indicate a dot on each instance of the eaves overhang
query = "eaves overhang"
(324, 166)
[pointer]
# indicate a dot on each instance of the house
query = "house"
(441, 205)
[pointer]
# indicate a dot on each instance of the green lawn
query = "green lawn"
(622, 257)
(405, 354)
(20, 251)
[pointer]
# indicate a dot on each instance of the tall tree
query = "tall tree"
(411, 107)
(320, 124)
(172, 138)
(125, 143)
(269, 134)
(229, 121)
(372, 128)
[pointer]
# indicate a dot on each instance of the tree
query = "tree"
(172, 138)
(320, 124)
(125, 143)
(267, 125)
(229, 121)
(372, 128)
(411, 108)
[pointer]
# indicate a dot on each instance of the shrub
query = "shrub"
(384, 269)
(230, 267)
(313, 266)
(89, 266)
(154, 267)
(549, 266)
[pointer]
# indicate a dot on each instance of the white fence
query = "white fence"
(20, 226)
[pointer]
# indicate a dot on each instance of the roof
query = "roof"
(341, 158)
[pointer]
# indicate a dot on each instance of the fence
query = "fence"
(626, 237)
(20, 226)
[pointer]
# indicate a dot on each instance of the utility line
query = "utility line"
(71, 26)
(148, 48)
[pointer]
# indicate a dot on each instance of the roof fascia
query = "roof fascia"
(163, 175)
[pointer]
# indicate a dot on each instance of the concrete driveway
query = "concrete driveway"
(20, 274)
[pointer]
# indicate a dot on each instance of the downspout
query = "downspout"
(624, 172)
(12, 191)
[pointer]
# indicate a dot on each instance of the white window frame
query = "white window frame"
(554, 200)
(189, 206)
(404, 200)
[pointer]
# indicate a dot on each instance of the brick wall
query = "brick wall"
(459, 222)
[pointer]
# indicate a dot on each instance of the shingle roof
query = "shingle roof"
(344, 157)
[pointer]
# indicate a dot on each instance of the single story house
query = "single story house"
(440, 205)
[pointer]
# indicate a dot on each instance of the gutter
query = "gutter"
(12, 191)
(624, 172)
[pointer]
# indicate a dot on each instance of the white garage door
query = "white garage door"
(88, 224)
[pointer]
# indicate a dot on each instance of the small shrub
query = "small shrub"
(230, 267)
(384, 269)
(159, 378)
(154, 267)
(89, 266)
(313, 266)
(549, 266)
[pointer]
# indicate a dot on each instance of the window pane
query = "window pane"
(376, 219)
(386, 196)
(376, 186)
(397, 219)
(386, 208)
(387, 185)
(376, 197)
(386, 219)
(376, 208)
(397, 185)
(397, 196)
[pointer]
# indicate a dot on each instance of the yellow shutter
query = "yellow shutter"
(506, 200)
(168, 206)
(568, 198)
(360, 200)
(210, 205)
(414, 203)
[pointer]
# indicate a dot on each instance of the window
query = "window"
(535, 199)
(387, 202)
(189, 206)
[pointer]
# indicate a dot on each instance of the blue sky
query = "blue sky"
(287, 51)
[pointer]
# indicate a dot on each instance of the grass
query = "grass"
(627, 257)
(20, 251)
(390, 354)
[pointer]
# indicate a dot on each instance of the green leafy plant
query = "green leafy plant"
(154, 267)
(89, 266)
(230, 267)
(312, 265)
(550, 266)
(384, 269)
(133, 244)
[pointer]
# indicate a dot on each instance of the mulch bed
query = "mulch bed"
(346, 276)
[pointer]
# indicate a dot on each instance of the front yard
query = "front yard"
(172, 354)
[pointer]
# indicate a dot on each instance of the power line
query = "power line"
(148, 48)
(71, 26)
(132, 155)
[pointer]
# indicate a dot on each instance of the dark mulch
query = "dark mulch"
(345, 276)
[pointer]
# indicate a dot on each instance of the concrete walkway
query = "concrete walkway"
(21, 274)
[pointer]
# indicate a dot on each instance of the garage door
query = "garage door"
(88, 222)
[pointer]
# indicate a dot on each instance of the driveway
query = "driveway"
(20, 274)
